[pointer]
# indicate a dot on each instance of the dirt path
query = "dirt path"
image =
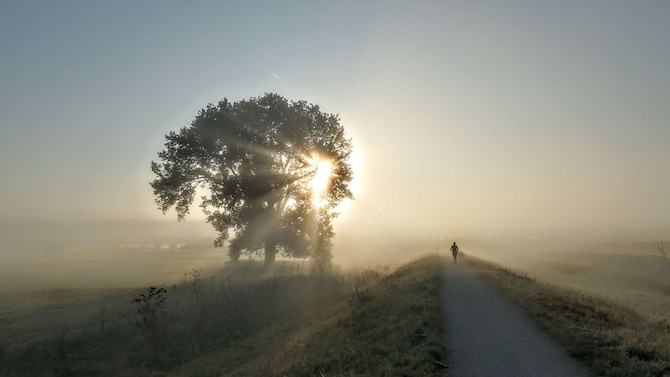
(490, 336)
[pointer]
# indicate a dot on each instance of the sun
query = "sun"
(323, 170)
(320, 172)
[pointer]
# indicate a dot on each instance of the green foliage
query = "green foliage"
(256, 159)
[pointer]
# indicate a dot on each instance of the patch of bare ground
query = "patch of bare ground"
(610, 339)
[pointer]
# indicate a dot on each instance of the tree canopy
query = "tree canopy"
(272, 172)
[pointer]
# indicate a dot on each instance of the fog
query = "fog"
(468, 121)
(47, 254)
(99, 254)
(40, 255)
(52, 272)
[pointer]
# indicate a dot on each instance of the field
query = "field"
(633, 274)
(607, 303)
(237, 320)
(67, 290)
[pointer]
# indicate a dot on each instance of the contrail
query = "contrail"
(273, 74)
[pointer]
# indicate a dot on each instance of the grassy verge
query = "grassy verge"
(385, 326)
(608, 338)
(363, 323)
(394, 328)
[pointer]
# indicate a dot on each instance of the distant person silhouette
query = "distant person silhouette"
(454, 251)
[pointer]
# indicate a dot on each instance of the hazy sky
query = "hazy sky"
(468, 114)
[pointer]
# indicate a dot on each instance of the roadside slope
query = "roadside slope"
(389, 325)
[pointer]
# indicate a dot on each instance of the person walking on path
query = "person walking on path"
(454, 251)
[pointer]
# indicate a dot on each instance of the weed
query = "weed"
(361, 294)
(154, 332)
(242, 322)
(664, 254)
(149, 306)
(103, 318)
(195, 285)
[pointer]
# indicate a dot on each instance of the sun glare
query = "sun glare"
(322, 174)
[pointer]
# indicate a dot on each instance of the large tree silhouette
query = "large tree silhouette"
(272, 172)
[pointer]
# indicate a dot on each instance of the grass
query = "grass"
(392, 328)
(610, 339)
(239, 322)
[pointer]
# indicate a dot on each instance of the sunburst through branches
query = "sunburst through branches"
(321, 172)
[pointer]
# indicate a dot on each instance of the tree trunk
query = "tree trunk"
(270, 253)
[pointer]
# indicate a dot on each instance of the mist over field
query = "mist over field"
(98, 254)
(467, 122)
(48, 254)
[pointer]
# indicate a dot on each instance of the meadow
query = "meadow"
(232, 320)
(633, 274)
(155, 310)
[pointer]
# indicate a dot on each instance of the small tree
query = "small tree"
(273, 171)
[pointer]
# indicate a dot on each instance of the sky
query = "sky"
(526, 115)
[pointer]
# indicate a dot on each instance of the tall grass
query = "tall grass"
(389, 326)
(173, 326)
(242, 321)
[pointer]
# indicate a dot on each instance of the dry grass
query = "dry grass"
(393, 328)
(632, 273)
(200, 315)
(240, 322)
(610, 339)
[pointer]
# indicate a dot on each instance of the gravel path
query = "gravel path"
(490, 336)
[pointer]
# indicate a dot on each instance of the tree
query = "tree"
(273, 172)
